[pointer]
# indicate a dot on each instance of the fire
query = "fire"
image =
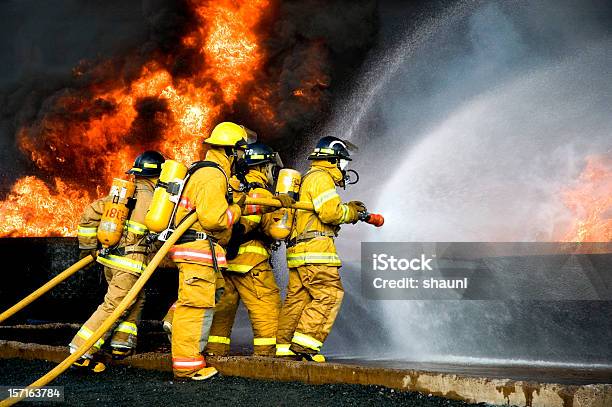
(90, 136)
(591, 202)
(231, 46)
(32, 209)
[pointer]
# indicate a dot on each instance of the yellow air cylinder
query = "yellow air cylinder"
(115, 212)
(288, 183)
(161, 208)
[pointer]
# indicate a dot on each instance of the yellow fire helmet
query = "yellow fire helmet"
(228, 134)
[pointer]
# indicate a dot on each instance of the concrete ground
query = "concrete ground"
(123, 385)
(153, 339)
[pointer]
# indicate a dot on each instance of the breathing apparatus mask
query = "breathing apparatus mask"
(237, 155)
(349, 176)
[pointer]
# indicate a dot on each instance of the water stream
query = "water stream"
(468, 130)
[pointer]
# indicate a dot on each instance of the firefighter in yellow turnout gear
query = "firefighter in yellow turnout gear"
(200, 253)
(123, 264)
(314, 291)
(249, 276)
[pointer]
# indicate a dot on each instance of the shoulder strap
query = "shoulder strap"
(310, 222)
(252, 185)
(210, 164)
(204, 164)
(310, 172)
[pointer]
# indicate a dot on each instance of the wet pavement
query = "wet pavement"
(572, 375)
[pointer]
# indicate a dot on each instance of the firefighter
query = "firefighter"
(249, 276)
(200, 253)
(122, 263)
(314, 291)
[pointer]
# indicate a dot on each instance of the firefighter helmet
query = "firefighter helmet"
(147, 164)
(228, 134)
(259, 153)
(332, 147)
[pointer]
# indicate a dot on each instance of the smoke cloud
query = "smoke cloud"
(312, 49)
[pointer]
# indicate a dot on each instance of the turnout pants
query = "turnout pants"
(125, 333)
(200, 287)
(314, 296)
(258, 290)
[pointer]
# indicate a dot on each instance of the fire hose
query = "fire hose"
(371, 218)
(374, 219)
(108, 323)
(46, 287)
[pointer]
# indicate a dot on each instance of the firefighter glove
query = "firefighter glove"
(358, 206)
(285, 200)
(241, 200)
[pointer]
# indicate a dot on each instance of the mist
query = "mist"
(475, 123)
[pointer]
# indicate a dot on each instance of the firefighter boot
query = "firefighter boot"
(204, 373)
(167, 322)
(88, 365)
(307, 357)
(120, 353)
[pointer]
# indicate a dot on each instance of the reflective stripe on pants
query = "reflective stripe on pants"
(260, 294)
(219, 339)
(314, 296)
(119, 283)
(264, 341)
(282, 349)
(126, 333)
(307, 341)
(189, 364)
(200, 287)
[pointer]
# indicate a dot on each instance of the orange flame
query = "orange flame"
(590, 201)
(94, 142)
(32, 209)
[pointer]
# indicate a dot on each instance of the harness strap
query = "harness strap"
(309, 236)
(210, 164)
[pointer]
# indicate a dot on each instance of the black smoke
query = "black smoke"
(64, 48)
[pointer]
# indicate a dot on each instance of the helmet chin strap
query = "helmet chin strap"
(240, 169)
(236, 163)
